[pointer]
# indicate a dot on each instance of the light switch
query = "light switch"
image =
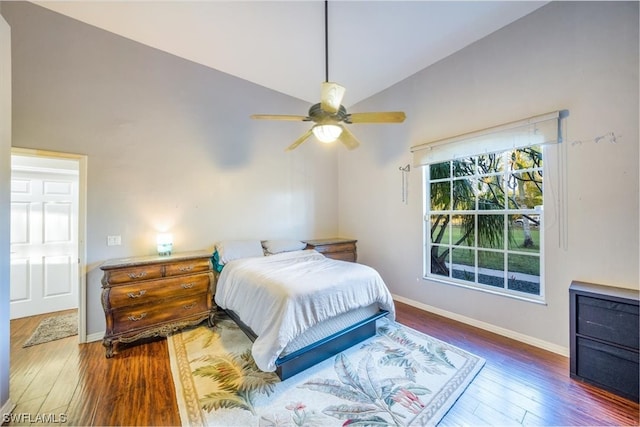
(114, 240)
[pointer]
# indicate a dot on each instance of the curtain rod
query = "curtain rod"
(486, 131)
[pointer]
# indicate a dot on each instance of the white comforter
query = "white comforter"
(280, 296)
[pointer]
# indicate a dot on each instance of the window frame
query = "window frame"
(505, 249)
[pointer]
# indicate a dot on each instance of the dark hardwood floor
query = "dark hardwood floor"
(519, 385)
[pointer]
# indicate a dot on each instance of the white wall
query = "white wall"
(169, 144)
(5, 197)
(580, 56)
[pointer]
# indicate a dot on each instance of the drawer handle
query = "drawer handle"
(136, 318)
(187, 285)
(186, 268)
(138, 295)
(189, 306)
(137, 275)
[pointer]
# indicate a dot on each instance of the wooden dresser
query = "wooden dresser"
(336, 248)
(604, 337)
(153, 296)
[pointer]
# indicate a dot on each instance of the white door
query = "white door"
(44, 241)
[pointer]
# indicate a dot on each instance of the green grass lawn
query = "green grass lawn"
(494, 260)
(515, 243)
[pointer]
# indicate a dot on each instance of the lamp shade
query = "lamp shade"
(165, 243)
(327, 133)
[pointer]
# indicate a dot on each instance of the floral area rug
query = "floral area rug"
(398, 377)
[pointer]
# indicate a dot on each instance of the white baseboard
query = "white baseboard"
(98, 336)
(545, 345)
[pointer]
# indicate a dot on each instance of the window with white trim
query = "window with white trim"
(483, 207)
(483, 222)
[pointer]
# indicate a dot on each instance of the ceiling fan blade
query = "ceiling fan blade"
(331, 97)
(347, 138)
(299, 141)
(286, 117)
(381, 117)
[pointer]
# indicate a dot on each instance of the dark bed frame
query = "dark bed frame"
(312, 354)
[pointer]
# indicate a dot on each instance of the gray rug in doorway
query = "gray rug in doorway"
(54, 328)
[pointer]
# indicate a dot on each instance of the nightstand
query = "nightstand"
(604, 337)
(335, 248)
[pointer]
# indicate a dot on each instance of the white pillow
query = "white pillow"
(277, 246)
(228, 250)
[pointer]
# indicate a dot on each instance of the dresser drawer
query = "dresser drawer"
(611, 321)
(187, 267)
(133, 274)
(337, 247)
(140, 317)
(610, 367)
(154, 291)
(342, 256)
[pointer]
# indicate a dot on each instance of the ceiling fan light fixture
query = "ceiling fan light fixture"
(327, 133)
(329, 114)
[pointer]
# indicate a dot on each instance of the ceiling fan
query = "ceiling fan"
(329, 115)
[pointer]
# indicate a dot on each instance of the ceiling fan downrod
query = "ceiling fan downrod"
(326, 40)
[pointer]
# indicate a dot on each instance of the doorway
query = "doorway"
(47, 270)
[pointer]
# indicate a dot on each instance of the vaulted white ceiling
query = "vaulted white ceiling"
(280, 44)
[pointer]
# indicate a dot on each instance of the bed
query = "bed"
(298, 306)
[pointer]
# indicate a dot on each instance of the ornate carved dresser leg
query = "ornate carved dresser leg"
(109, 345)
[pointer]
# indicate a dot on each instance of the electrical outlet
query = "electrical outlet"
(114, 240)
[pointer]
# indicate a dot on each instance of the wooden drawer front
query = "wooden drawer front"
(610, 321)
(139, 317)
(132, 274)
(342, 256)
(188, 267)
(610, 367)
(157, 290)
(337, 247)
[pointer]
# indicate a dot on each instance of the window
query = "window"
(483, 221)
(483, 206)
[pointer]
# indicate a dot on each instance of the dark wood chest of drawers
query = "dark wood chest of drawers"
(152, 296)
(336, 248)
(604, 337)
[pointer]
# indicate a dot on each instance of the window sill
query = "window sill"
(532, 299)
